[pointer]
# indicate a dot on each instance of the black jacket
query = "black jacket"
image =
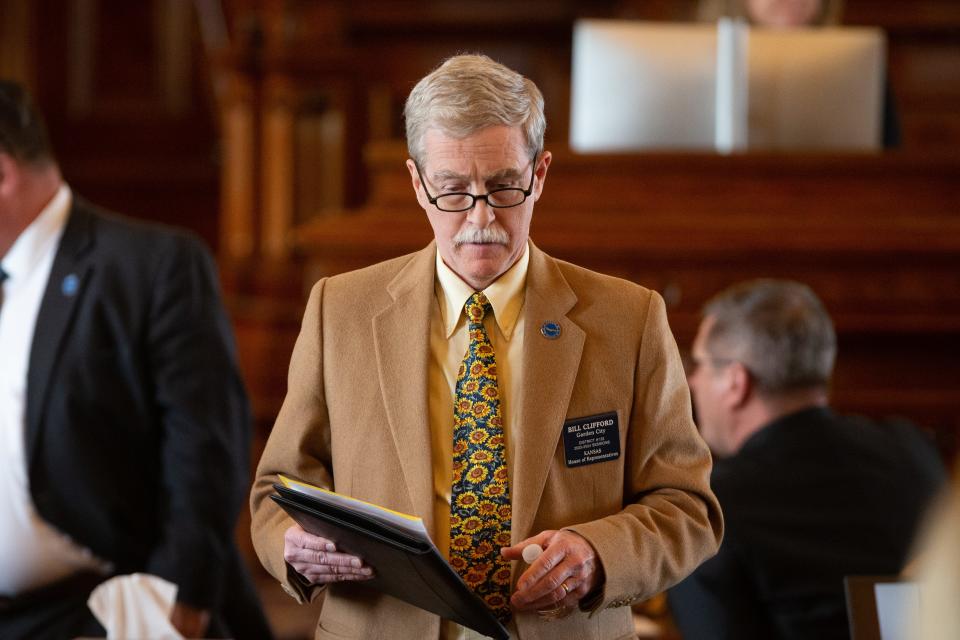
(138, 427)
(809, 499)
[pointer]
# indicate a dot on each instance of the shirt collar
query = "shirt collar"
(35, 241)
(505, 294)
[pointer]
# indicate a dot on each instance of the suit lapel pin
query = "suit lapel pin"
(550, 330)
(70, 285)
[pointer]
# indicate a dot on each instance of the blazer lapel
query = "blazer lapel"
(548, 374)
(66, 285)
(402, 340)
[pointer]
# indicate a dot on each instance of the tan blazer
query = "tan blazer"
(355, 418)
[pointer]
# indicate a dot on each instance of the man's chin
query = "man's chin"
(480, 270)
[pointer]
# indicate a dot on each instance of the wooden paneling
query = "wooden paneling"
(352, 64)
(124, 91)
(16, 29)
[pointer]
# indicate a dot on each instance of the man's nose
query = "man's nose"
(482, 215)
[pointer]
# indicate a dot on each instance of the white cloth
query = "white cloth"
(135, 606)
(32, 552)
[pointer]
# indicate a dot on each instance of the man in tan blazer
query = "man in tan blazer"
(369, 410)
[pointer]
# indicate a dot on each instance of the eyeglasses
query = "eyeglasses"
(498, 198)
(716, 363)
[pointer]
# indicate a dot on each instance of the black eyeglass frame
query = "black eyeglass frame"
(716, 362)
(485, 197)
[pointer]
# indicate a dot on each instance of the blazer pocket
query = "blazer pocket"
(332, 629)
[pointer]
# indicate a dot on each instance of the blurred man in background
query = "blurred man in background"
(808, 496)
(124, 426)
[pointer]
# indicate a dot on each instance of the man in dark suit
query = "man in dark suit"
(124, 427)
(808, 496)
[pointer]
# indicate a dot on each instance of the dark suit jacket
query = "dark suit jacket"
(809, 499)
(138, 427)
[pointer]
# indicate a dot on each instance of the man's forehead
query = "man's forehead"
(700, 348)
(486, 174)
(492, 149)
(703, 331)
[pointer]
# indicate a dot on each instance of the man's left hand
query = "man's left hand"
(567, 570)
(189, 621)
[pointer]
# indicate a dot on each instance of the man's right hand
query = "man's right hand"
(317, 559)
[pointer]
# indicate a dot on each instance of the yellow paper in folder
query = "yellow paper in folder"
(406, 523)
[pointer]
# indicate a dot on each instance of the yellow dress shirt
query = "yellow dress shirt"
(448, 344)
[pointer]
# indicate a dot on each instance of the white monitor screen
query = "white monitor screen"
(643, 85)
(813, 89)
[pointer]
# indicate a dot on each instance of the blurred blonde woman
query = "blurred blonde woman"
(783, 14)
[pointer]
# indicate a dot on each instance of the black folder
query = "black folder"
(405, 566)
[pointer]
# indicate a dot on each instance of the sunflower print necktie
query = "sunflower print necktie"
(480, 499)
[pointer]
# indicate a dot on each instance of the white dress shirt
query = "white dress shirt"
(32, 552)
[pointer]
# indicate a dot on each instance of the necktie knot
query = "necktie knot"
(477, 307)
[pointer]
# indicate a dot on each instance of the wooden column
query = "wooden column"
(238, 183)
(15, 31)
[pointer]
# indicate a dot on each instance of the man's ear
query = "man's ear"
(417, 185)
(543, 163)
(8, 173)
(739, 385)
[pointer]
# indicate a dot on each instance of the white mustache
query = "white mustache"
(487, 235)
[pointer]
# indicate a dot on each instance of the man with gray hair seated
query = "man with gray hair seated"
(808, 496)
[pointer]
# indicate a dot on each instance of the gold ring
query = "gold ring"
(566, 589)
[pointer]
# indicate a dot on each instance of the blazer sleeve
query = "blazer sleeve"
(205, 423)
(298, 446)
(671, 521)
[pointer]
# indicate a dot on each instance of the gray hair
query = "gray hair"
(468, 93)
(778, 329)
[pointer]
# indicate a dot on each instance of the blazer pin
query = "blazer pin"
(550, 330)
(70, 285)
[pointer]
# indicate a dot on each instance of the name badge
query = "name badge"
(591, 439)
